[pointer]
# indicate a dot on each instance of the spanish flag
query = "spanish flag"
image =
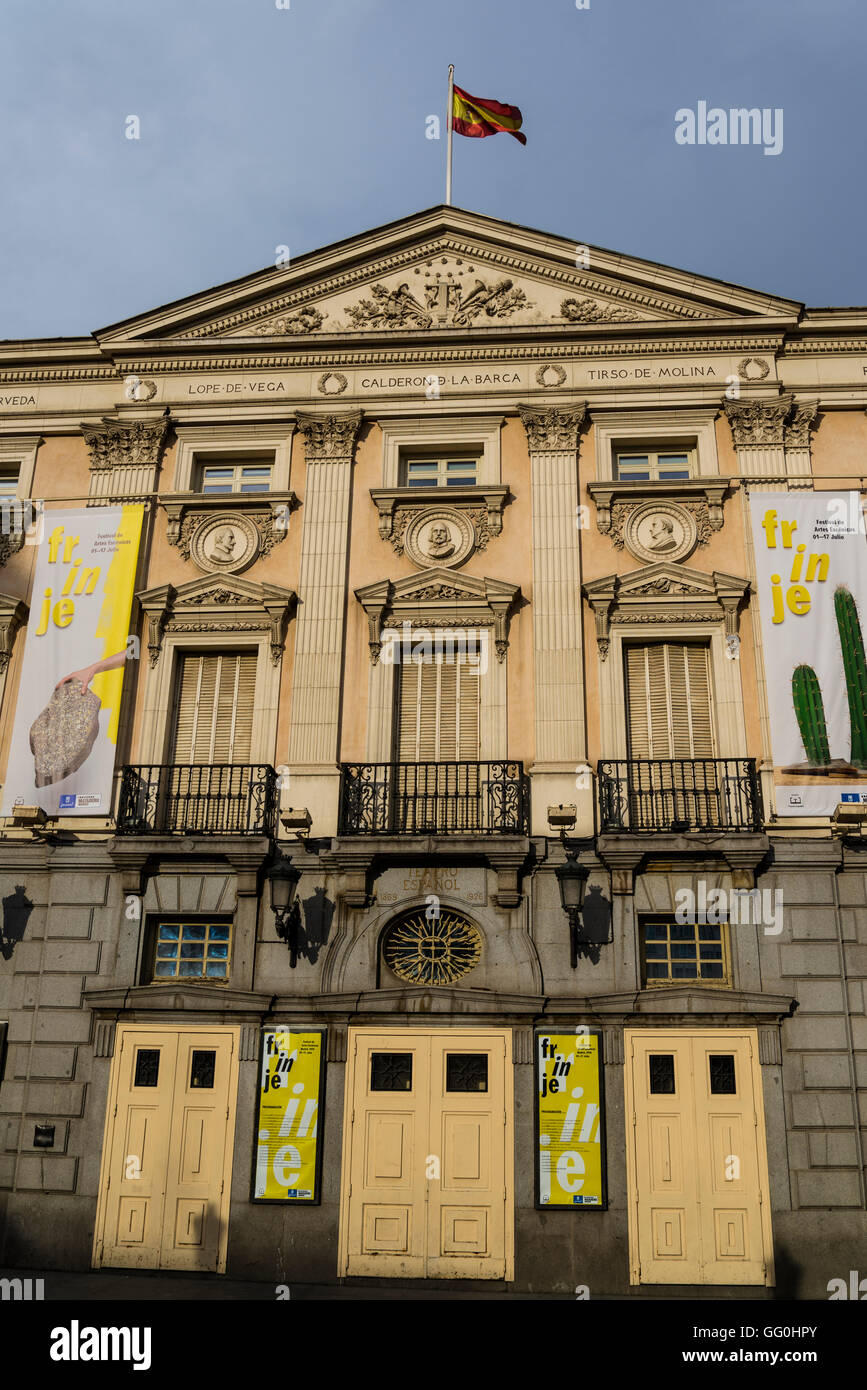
(473, 116)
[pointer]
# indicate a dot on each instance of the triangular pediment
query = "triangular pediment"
(448, 271)
(224, 590)
(665, 580)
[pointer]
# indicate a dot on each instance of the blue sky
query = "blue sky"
(263, 126)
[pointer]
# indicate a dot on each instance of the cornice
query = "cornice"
(497, 350)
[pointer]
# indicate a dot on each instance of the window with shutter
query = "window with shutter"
(668, 701)
(214, 707)
(438, 717)
(438, 727)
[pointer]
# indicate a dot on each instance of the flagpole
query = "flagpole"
(450, 110)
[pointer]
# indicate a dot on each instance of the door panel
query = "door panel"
(168, 1150)
(387, 1094)
(696, 1159)
(467, 1207)
(191, 1229)
(145, 1063)
(427, 1160)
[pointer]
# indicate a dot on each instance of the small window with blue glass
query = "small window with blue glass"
(192, 950)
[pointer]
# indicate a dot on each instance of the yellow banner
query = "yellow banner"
(288, 1121)
(570, 1120)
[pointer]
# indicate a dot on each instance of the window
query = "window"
(439, 711)
(190, 950)
(673, 952)
(645, 465)
(440, 472)
(8, 481)
(213, 720)
(668, 701)
(236, 475)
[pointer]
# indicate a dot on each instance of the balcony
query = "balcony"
(675, 796)
(201, 799)
(443, 798)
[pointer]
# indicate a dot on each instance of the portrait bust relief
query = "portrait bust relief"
(660, 531)
(225, 544)
(439, 536)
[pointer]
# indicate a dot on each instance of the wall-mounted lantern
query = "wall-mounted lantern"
(283, 881)
(572, 881)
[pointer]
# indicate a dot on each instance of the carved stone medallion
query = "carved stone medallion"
(439, 536)
(225, 544)
(660, 531)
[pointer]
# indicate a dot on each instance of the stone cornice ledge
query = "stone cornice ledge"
(679, 1000)
(625, 854)
(177, 997)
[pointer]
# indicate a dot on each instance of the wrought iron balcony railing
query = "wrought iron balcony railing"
(451, 798)
(201, 799)
(646, 795)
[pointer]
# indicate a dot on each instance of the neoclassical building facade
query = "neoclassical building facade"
(446, 688)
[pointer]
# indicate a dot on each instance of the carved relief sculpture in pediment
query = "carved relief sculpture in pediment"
(595, 311)
(211, 605)
(664, 593)
(308, 319)
(448, 294)
(438, 598)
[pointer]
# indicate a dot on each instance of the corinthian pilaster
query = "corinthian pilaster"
(552, 439)
(772, 438)
(329, 442)
(124, 456)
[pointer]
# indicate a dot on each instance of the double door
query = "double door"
(696, 1158)
(427, 1155)
(167, 1155)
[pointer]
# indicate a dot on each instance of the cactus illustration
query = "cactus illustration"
(810, 713)
(855, 668)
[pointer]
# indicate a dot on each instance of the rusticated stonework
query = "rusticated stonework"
(553, 431)
(329, 438)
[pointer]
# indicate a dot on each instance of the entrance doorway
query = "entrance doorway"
(427, 1187)
(167, 1153)
(697, 1165)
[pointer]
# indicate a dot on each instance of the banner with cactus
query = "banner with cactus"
(811, 579)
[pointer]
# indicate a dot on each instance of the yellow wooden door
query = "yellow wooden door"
(696, 1159)
(427, 1169)
(135, 1156)
(167, 1155)
(198, 1175)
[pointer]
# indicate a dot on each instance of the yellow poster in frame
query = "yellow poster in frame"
(287, 1157)
(569, 1120)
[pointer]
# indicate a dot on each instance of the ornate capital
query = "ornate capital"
(797, 431)
(330, 438)
(758, 422)
(553, 431)
(125, 443)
